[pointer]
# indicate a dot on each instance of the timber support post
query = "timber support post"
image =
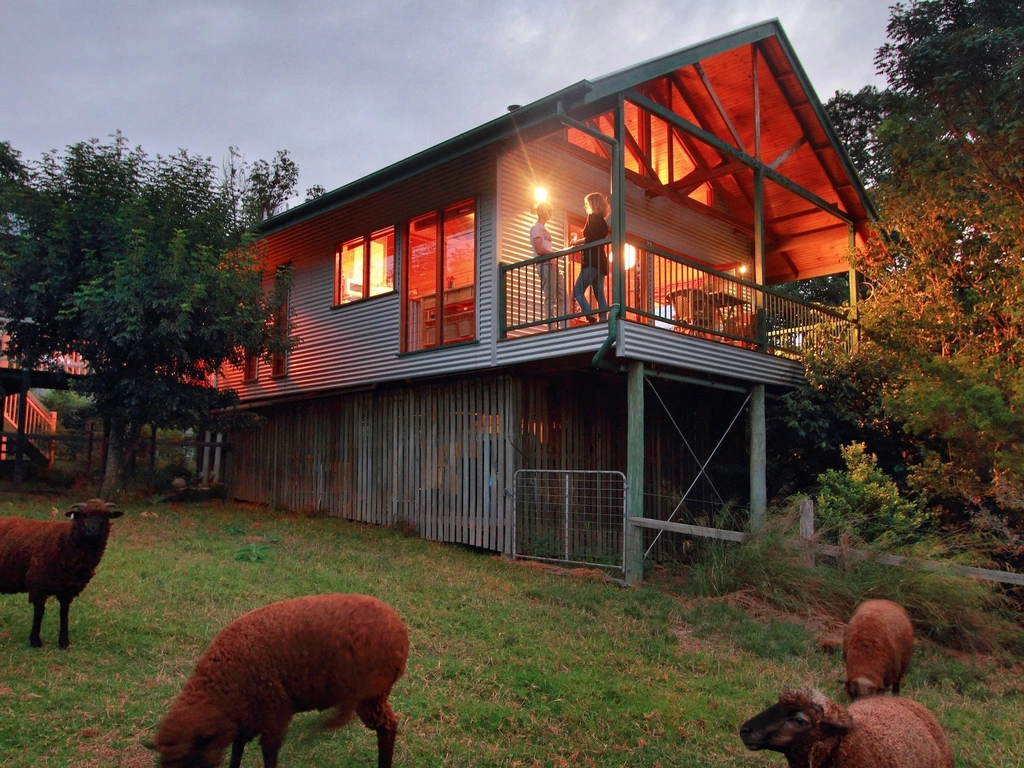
(634, 535)
(758, 460)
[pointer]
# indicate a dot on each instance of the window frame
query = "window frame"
(366, 241)
(442, 215)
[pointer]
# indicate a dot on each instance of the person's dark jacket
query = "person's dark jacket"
(595, 229)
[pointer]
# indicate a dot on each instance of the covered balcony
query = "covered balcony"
(726, 181)
(675, 294)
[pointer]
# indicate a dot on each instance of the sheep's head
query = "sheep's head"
(91, 521)
(860, 687)
(800, 719)
(200, 754)
(195, 734)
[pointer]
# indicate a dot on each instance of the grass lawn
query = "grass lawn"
(509, 665)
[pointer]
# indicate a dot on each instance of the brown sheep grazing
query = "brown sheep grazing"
(877, 645)
(876, 732)
(53, 558)
(341, 652)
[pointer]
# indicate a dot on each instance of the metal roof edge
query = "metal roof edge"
(661, 65)
(476, 138)
(826, 123)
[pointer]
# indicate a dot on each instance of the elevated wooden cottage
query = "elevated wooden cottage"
(435, 385)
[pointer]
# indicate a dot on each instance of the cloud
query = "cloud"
(349, 88)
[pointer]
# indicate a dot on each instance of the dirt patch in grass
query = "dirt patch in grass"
(592, 574)
(826, 626)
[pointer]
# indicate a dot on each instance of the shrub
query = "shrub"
(864, 503)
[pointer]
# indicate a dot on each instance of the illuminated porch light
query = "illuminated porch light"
(743, 269)
(630, 259)
(540, 195)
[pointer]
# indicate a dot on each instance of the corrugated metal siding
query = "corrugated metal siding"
(541, 346)
(357, 344)
(641, 342)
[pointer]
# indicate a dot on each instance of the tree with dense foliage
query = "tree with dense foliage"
(144, 267)
(935, 388)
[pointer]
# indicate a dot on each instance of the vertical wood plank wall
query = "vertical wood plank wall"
(432, 456)
(439, 456)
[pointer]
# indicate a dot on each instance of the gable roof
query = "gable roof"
(714, 81)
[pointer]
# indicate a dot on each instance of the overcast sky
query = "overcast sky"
(349, 87)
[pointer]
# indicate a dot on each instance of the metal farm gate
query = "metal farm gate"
(570, 516)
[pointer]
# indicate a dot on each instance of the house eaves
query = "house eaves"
(496, 130)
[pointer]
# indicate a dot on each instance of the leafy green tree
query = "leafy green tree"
(256, 191)
(139, 265)
(937, 382)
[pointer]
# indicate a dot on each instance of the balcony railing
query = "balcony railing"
(72, 364)
(676, 294)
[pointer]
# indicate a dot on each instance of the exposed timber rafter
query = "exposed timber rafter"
(788, 152)
(718, 105)
(801, 122)
(729, 150)
(657, 188)
(698, 176)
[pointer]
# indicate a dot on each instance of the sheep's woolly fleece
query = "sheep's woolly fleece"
(878, 644)
(884, 732)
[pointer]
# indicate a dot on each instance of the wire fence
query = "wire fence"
(570, 516)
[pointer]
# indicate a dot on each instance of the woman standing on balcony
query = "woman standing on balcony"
(594, 261)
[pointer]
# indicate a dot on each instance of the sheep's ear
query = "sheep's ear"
(836, 723)
(149, 744)
(74, 508)
(115, 513)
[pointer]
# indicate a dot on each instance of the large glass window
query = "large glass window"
(365, 266)
(653, 148)
(441, 262)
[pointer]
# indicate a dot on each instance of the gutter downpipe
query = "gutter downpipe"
(618, 223)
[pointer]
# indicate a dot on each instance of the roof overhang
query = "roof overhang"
(748, 109)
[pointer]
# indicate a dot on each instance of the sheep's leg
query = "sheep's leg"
(270, 744)
(65, 606)
(377, 715)
(237, 748)
(896, 688)
(38, 607)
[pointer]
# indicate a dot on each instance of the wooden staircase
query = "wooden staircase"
(38, 420)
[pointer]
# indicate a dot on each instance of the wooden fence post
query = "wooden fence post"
(807, 519)
(807, 527)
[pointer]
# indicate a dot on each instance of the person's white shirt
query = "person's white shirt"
(538, 232)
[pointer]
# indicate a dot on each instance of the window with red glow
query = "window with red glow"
(441, 261)
(250, 366)
(653, 140)
(279, 323)
(365, 266)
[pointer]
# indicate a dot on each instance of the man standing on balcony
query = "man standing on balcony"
(552, 284)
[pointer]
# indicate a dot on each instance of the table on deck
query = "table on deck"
(713, 310)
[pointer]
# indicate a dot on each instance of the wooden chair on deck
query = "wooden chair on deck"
(691, 307)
